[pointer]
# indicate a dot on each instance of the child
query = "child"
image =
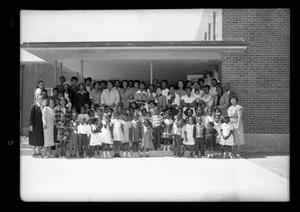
(95, 137)
(208, 117)
(143, 115)
(188, 131)
(118, 134)
(136, 133)
(127, 135)
(211, 134)
(73, 147)
(63, 135)
(166, 134)
(227, 141)
(84, 134)
(82, 114)
(147, 136)
(156, 120)
(106, 136)
(152, 105)
(177, 132)
(199, 137)
(217, 126)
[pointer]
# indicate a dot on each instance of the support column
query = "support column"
(81, 70)
(151, 71)
(54, 73)
(209, 30)
(214, 25)
(61, 69)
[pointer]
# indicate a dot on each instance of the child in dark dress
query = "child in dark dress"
(63, 135)
(210, 135)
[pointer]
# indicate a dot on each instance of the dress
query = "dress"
(36, 137)
(48, 120)
(189, 130)
(126, 128)
(208, 119)
(217, 126)
(95, 136)
(235, 112)
(63, 131)
(117, 129)
(136, 130)
(167, 128)
(147, 137)
(106, 133)
(226, 128)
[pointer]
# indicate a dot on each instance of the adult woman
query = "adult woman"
(151, 92)
(136, 85)
(173, 100)
(81, 98)
(207, 97)
(36, 133)
(110, 96)
(220, 101)
(68, 94)
(38, 90)
(180, 90)
(125, 94)
(235, 113)
(44, 95)
(48, 125)
(130, 83)
(141, 94)
(96, 93)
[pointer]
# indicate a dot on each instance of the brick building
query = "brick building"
(253, 54)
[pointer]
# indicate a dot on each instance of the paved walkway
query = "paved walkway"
(149, 179)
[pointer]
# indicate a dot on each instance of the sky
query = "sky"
(116, 25)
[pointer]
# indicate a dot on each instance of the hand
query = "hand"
(30, 128)
(45, 127)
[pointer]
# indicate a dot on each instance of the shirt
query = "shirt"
(96, 96)
(176, 100)
(165, 92)
(199, 131)
(110, 97)
(156, 120)
(213, 91)
(208, 119)
(84, 129)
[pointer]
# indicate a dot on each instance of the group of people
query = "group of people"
(115, 118)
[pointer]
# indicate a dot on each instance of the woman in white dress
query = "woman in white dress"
(48, 125)
(235, 112)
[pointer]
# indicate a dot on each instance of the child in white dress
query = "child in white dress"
(118, 134)
(217, 126)
(227, 137)
(106, 136)
(208, 117)
(188, 131)
(166, 134)
(95, 137)
(127, 135)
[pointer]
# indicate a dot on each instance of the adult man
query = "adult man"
(164, 89)
(60, 87)
(228, 93)
(110, 96)
(87, 83)
(213, 87)
(74, 84)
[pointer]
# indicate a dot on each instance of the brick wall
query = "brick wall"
(260, 75)
(33, 72)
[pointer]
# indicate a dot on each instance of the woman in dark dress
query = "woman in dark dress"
(81, 98)
(36, 133)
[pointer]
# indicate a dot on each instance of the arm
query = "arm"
(117, 96)
(102, 99)
(240, 113)
(231, 132)
(45, 117)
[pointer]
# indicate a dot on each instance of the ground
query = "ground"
(255, 177)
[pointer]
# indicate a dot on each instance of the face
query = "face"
(44, 94)
(117, 84)
(233, 101)
(151, 87)
(190, 112)
(206, 90)
(59, 95)
(88, 82)
(62, 80)
(189, 84)
(41, 85)
(199, 121)
(40, 99)
(81, 87)
(144, 112)
(66, 86)
(213, 83)
(82, 120)
(188, 91)
(180, 84)
(55, 92)
(119, 109)
(199, 111)
(172, 90)
(200, 83)
(163, 85)
(155, 82)
(142, 86)
(197, 92)
(196, 85)
(217, 119)
(190, 120)
(130, 84)
(126, 117)
(51, 103)
(124, 84)
(227, 120)
(136, 84)
(209, 111)
(180, 112)
(62, 102)
(97, 86)
(109, 85)
(82, 110)
(74, 82)
(74, 116)
(219, 90)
